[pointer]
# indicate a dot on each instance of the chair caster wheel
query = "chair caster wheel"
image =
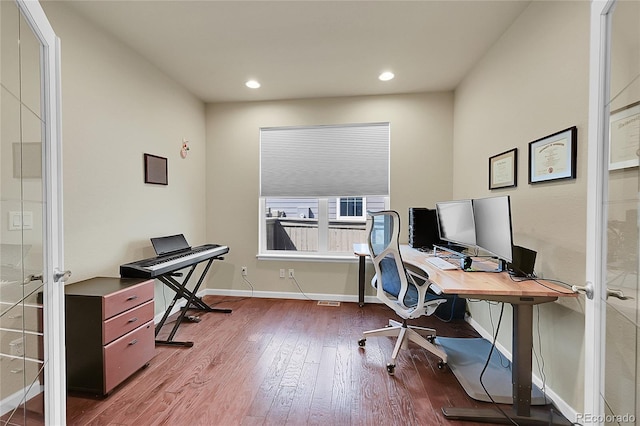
(441, 365)
(391, 369)
(362, 342)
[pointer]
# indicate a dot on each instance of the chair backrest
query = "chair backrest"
(383, 232)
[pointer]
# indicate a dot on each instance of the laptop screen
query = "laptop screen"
(170, 244)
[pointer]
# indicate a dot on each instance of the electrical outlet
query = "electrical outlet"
(290, 273)
(282, 273)
(244, 271)
(16, 347)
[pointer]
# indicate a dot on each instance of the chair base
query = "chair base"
(405, 334)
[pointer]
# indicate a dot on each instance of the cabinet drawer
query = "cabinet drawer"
(120, 301)
(126, 355)
(129, 320)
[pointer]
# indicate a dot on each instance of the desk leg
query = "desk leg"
(361, 281)
(521, 412)
(522, 348)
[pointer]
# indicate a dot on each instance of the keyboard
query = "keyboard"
(440, 263)
(156, 266)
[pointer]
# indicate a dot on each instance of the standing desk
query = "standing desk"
(498, 287)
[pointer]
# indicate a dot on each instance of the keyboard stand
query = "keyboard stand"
(193, 302)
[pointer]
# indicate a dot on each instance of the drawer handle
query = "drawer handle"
(134, 297)
(133, 342)
(134, 319)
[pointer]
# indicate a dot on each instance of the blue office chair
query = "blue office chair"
(401, 287)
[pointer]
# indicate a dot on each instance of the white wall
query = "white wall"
(421, 136)
(532, 83)
(115, 107)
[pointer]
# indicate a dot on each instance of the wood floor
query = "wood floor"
(282, 362)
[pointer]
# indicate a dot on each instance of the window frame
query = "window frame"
(323, 226)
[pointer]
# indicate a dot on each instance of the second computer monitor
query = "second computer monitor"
(492, 218)
(455, 222)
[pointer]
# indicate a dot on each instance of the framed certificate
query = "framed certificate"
(554, 157)
(503, 170)
(624, 137)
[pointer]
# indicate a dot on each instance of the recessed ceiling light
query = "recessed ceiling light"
(386, 76)
(252, 84)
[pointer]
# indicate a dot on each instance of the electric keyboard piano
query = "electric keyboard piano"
(174, 253)
(156, 266)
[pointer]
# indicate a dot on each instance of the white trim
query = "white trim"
(314, 257)
(287, 295)
(15, 400)
(53, 245)
(595, 310)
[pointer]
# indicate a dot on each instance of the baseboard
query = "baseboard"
(12, 401)
(569, 412)
(288, 295)
(269, 295)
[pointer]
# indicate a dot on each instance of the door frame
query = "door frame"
(597, 199)
(53, 244)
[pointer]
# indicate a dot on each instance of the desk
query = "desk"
(497, 287)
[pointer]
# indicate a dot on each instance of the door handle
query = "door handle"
(587, 290)
(31, 278)
(618, 294)
(61, 276)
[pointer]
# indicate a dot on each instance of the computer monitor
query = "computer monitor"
(492, 217)
(456, 223)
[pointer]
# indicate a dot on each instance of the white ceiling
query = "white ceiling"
(307, 49)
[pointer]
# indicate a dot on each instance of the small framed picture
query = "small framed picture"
(554, 157)
(155, 170)
(624, 137)
(503, 170)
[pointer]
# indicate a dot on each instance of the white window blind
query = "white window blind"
(317, 161)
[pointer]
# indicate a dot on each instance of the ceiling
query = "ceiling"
(306, 49)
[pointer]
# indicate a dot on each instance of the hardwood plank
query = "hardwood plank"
(276, 362)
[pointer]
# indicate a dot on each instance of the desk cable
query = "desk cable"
(532, 277)
(300, 288)
(248, 283)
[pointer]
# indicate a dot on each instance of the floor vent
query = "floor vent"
(327, 303)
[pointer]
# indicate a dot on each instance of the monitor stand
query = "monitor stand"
(448, 250)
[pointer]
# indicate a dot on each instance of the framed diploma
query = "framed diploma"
(624, 137)
(503, 170)
(553, 157)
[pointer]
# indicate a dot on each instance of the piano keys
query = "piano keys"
(156, 266)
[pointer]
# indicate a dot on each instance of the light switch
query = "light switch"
(15, 221)
(27, 220)
(20, 220)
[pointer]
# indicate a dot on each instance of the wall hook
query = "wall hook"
(185, 148)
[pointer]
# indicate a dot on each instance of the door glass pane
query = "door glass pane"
(622, 335)
(21, 233)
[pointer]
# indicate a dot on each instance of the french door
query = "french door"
(612, 337)
(32, 368)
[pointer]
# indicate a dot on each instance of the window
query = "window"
(352, 208)
(313, 197)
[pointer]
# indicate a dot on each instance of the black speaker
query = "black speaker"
(524, 260)
(423, 228)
